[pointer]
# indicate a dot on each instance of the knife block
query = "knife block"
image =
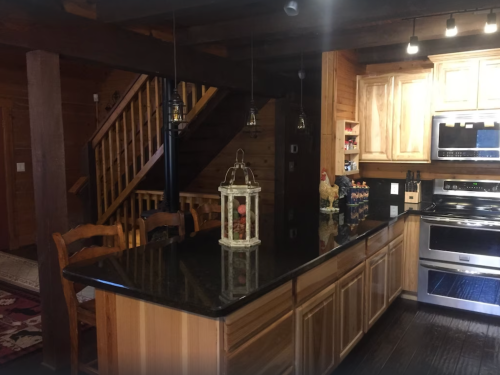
(414, 196)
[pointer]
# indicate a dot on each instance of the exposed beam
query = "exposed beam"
(325, 16)
(397, 52)
(31, 26)
(126, 10)
(378, 35)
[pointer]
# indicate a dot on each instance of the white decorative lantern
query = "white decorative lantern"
(239, 207)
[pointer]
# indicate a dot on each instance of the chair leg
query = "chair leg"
(74, 333)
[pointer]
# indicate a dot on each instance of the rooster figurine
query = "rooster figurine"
(328, 194)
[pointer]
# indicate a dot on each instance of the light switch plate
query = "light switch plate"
(394, 211)
(21, 167)
(394, 188)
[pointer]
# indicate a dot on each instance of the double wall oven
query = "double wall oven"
(459, 262)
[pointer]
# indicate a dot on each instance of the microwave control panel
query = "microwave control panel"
(469, 154)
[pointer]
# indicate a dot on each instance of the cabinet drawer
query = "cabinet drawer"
(396, 229)
(396, 242)
(327, 273)
(377, 241)
(253, 318)
(268, 353)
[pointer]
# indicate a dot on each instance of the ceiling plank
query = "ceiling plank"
(325, 16)
(373, 36)
(397, 52)
(25, 24)
(127, 10)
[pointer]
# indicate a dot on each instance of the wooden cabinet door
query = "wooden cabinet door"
(395, 275)
(351, 309)
(375, 117)
(489, 84)
(411, 124)
(316, 334)
(376, 287)
(456, 85)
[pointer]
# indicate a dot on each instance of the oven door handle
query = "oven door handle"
(446, 269)
(464, 223)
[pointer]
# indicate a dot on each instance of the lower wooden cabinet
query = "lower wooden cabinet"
(316, 334)
(351, 309)
(376, 287)
(395, 274)
(268, 353)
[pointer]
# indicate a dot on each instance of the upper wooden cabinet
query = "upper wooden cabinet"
(411, 134)
(456, 85)
(489, 84)
(375, 117)
(395, 118)
(467, 81)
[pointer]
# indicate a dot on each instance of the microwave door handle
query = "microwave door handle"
(456, 270)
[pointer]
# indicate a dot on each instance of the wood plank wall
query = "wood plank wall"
(116, 84)
(79, 83)
(259, 155)
(347, 71)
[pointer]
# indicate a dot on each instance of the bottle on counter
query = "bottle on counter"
(366, 189)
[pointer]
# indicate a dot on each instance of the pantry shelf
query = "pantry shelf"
(351, 152)
(347, 136)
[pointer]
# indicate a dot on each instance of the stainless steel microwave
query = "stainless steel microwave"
(471, 136)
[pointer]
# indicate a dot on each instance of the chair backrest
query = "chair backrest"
(202, 216)
(161, 219)
(115, 232)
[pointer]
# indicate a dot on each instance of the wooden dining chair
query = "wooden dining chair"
(161, 219)
(83, 312)
(203, 216)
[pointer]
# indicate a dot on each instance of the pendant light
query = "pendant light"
(175, 104)
(491, 23)
(451, 27)
(413, 45)
(302, 123)
(251, 126)
(291, 8)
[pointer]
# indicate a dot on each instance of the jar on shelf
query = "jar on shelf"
(355, 145)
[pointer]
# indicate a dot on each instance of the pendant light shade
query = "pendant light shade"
(451, 27)
(491, 23)
(252, 115)
(291, 8)
(175, 104)
(413, 45)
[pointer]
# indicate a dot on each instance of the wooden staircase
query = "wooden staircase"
(130, 142)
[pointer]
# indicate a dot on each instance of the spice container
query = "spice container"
(355, 145)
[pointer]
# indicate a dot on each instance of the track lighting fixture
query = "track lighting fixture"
(491, 23)
(292, 8)
(451, 27)
(413, 45)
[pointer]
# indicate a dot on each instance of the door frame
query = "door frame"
(8, 146)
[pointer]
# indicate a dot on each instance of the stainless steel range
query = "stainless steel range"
(460, 246)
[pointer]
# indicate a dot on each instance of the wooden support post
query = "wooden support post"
(49, 178)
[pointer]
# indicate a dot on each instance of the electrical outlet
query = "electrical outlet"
(294, 149)
(394, 188)
(293, 233)
(291, 166)
(394, 211)
(21, 167)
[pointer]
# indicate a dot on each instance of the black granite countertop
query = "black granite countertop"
(198, 275)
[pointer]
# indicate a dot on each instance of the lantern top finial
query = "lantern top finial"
(240, 165)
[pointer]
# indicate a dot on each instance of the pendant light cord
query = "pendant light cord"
(252, 64)
(301, 79)
(414, 22)
(175, 51)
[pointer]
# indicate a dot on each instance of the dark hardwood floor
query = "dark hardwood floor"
(418, 339)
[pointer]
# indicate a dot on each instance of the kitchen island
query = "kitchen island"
(297, 303)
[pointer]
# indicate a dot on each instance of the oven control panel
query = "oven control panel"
(479, 186)
(469, 154)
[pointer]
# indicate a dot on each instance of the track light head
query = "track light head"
(451, 27)
(292, 8)
(413, 45)
(491, 23)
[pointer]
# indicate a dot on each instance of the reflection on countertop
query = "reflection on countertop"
(198, 275)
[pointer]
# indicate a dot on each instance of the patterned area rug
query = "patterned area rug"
(20, 326)
(23, 273)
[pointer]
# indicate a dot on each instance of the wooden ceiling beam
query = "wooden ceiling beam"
(323, 17)
(373, 36)
(34, 27)
(128, 10)
(397, 52)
